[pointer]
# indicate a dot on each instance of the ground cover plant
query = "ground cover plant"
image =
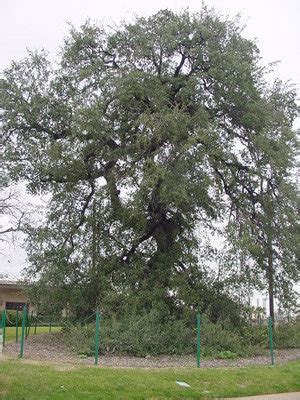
(42, 381)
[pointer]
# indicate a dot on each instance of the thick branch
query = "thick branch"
(180, 65)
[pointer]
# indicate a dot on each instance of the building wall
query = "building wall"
(12, 295)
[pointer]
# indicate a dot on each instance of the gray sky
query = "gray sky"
(37, 24)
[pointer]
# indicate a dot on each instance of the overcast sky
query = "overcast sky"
(36, 24)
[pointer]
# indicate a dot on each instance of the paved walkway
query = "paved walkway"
(278, 396)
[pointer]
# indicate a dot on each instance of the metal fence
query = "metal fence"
(29, 324)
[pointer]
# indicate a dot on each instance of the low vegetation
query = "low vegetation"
(149, 334)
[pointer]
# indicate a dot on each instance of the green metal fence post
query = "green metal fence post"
(1, 338)
(198, 340)
(50, 325)
(35, 325)
(26, 324)
(271, 340)
(97, 336)
(17, 326)
(29, 324)
(4, 325)
(24, 316)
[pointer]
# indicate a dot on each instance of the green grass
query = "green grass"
(20, 379)
(10, 334)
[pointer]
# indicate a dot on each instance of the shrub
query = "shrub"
(150, 335)
(217, 338)
(287, 335)
(255, 335)
(153, 334)
(80, 338)
(227, 355)
(137, 336)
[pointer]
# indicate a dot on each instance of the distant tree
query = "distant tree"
(140, 135)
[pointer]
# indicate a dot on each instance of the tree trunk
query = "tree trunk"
(270, 277)
(94, 269)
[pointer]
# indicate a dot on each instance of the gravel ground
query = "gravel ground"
(51, 348)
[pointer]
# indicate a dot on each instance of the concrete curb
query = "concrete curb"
(277, 396)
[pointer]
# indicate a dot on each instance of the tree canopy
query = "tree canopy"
(144, 135)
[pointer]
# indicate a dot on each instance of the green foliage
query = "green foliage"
(80, 339)
(227, 355)
(217, 337)
(150, 334)
(135, 335)
(287, 336)
(256, 335)
(143, 137)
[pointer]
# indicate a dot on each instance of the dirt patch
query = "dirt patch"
(42, 347)
(190, 361)
(50, 347)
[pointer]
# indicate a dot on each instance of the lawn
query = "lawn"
(20, 379)
(10, 334)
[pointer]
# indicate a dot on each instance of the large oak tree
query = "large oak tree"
(142, 134)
